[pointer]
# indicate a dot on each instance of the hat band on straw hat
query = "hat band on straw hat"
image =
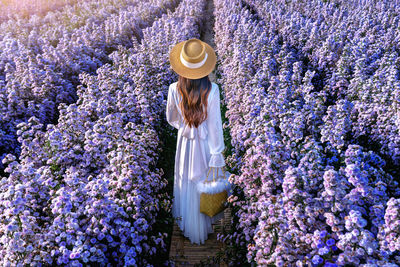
(194, 65)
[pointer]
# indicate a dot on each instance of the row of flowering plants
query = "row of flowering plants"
(360, 64)
(87, 190)
(41, 57)
(15, 9)
(317, 182)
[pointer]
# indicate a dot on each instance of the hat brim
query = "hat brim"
(197, 73)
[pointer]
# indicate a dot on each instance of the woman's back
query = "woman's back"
(214, 93)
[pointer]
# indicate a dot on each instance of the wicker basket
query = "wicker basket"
(212, 202)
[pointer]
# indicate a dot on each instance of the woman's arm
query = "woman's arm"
(215, 136)
(172, 113)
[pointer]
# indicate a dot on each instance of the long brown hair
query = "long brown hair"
(194, 94)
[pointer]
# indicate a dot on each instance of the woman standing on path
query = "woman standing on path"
(193, 107)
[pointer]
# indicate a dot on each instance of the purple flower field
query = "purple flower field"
(311, 103)
(312, 94)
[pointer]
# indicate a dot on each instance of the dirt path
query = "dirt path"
(182, 252)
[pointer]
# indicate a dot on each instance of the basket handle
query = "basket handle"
(221, 176)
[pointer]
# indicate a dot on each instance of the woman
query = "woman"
(193, 107)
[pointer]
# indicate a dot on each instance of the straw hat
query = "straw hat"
(192, 58)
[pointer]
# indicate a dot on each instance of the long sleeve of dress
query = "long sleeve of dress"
(172, 114)
(215, 136)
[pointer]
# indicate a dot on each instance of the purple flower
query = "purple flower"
(330, 242)
(323, 251)
(100, 236)
(317, 259)
(323, 234)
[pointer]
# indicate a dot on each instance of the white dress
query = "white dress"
(197, 149)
